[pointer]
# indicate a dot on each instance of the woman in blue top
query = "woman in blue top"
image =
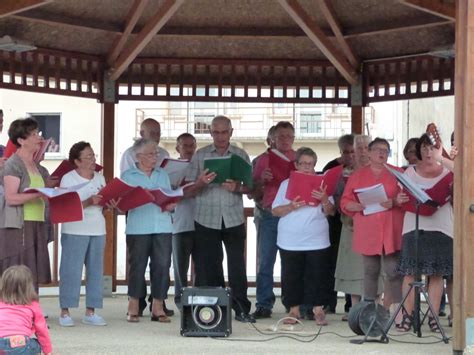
(148, 233)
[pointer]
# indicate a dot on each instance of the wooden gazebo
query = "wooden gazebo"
(352, 52)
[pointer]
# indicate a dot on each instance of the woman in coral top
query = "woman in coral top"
(377, 237)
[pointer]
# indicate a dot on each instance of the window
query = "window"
(310, 123)
(50, 126)
(202, 123)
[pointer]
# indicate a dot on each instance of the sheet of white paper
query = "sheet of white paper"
(371, 197)
(57, 191)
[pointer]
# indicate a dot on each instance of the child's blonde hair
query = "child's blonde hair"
(16, 286)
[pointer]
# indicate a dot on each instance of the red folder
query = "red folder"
(135, 198)
(10, 149)
(164, 197)
(439, 193)
(66, 167)
(38, 156)
(66, 207)
(331, 179)
(116, 189)
(302, 185)
(280, 166)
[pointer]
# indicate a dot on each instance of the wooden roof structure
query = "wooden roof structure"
(316, 48)
(352, 52)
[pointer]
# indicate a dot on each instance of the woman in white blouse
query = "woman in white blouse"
(83, 242)
(303, 241)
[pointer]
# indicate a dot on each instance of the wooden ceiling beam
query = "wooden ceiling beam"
(38, 16)
(329, 14)
(132, 18)
(10, 7)
(435, 7)
(314, 32)
(163, 14)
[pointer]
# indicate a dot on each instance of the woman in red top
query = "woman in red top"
(378, 234)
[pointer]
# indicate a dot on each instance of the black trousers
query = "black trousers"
(183, 246)
(304, 277)
(157, 248)
(208, 257)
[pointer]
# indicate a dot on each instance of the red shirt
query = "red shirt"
(24, 320)
(269, 190)
(378, 233)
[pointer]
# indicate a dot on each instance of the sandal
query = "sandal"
(320, 318)
(433, 325)
(162, 318)
(132, 318)
(406, 324)
(289, 318)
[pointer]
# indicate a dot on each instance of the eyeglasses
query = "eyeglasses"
(380, 150)
(89, 157)
(149, 155)
(306, 163)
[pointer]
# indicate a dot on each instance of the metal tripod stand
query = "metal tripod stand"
(418, 287)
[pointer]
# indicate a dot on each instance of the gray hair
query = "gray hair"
(141, 143)
(346, 139)
(306, 151)
(361, 138)
(222, 118)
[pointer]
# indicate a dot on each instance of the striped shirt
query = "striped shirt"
(215, 204)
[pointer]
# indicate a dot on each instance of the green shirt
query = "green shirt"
(34, 209)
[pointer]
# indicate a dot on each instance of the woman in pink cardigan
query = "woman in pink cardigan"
(377, 237)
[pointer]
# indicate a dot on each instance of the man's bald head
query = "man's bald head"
(150, 129)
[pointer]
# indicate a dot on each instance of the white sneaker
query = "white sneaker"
(94, 319)
(66, 321)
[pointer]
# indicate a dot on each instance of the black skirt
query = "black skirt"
(435, 254)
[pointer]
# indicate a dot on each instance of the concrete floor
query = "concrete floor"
(145, 337)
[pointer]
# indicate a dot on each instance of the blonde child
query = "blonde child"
(20, 314)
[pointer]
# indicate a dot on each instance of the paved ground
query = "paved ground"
(120, 337)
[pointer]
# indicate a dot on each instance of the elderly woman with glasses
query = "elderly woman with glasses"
(83, 242)
(303, 241)
(377, 236)
(148, 233)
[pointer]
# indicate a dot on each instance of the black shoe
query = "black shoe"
(442, 314)
(261, 313)
(245, 318)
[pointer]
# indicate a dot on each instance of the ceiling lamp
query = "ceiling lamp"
(11, 44)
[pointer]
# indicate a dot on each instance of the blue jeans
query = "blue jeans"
(32, 346)
(77, 251)
(267, 252)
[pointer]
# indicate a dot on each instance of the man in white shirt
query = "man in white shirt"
(149, 129)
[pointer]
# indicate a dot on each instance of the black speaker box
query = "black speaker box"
(206, 312)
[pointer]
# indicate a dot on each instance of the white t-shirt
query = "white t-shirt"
(306, 228)
(128, 159)
(442, 220)
(94, 221)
